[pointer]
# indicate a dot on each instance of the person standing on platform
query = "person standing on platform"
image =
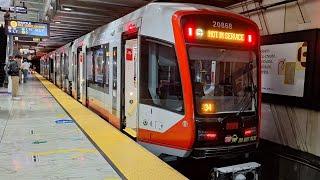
(13, 71)
(25, 66)
(8, 78)
(18, 59)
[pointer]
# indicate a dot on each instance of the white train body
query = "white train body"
(108, 71)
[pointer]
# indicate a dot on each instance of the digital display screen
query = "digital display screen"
(27, 28)
(207, 28)
(283, 68)
(227, 36)
(207, 107)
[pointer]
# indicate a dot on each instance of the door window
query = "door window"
(99, 67)
(107, 68)
(114, 78)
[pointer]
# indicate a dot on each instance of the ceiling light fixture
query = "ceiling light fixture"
(57, 22)
(67, 9)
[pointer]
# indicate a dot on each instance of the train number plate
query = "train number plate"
(232, 125)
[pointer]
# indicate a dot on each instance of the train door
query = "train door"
(79, 77)
(115, 108)
(130, 84)
(51, 70)
(61, 70)
(48, 68)
(65, 72)
(55, 69)
(74, 75)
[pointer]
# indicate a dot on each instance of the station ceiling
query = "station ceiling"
(69, 19)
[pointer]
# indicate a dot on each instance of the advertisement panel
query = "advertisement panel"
(283, 68)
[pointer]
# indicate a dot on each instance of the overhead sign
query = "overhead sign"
(26, 39)
(19, 9)
(27, 28)
(283, 68)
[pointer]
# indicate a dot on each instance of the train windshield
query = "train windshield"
(224, 80)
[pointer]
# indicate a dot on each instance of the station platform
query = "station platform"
(46, 134)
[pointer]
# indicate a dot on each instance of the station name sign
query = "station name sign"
(27, 28)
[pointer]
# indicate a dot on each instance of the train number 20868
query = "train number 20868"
(222, 25)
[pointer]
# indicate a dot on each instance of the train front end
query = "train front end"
(218, 55)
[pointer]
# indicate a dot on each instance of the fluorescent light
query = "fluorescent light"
(57, 22)
(67, 9)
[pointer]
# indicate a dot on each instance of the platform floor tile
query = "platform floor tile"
(38, 140)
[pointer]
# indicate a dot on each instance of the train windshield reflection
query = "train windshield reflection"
(225, 77)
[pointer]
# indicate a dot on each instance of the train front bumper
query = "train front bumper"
(224, 151)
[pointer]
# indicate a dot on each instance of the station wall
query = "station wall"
(283, 18)
(295, 121)
(287, 123)
(298, 128)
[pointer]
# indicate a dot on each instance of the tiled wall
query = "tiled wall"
(295, 127)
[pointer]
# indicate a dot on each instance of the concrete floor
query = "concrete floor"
(38, 140)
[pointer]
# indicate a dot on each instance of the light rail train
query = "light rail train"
(184, 79)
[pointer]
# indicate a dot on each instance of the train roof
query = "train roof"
(156, 21)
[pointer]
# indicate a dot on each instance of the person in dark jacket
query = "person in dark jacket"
(13, 71)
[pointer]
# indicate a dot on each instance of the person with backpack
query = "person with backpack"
(13, 71)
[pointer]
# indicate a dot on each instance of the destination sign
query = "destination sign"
(220, 35)
(27, 28)
(208, 29)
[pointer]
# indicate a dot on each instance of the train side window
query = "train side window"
(57, 67)
(66, 65)
(99, 71)
(90, 69)
(98, 68)
(160, 83)
(51, 65)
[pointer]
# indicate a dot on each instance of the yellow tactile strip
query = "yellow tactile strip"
(131, 132)
(131, 159)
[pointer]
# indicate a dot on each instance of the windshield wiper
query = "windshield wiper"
(241, 103)
(253, 89)
(252, 93)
